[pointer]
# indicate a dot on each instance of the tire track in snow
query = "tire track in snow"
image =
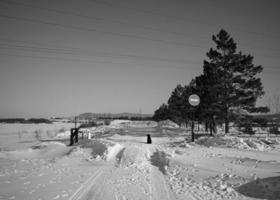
(159, 186)
(129, 173)
(162, 177)
(135, 159)
(146, 162)
(86, 186)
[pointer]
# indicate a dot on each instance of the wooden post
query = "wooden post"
(71, 136)
(192, 125)
(76, 135)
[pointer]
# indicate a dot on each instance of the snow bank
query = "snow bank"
(65, 134)
(143, 124)
(101, 129)
(95, 151)
(119, 122)
(168, 124)
(134, 155)
(46, 150)
(113, 151)
(97, 148)
(237, 142)
(129, 123)
(53, 150)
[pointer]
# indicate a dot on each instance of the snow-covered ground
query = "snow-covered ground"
(118, 164)
(20, 136)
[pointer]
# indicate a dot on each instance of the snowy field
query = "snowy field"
(20, 136)
(117, 164)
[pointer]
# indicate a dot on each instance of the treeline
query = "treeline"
(228, 89)
(25, 121)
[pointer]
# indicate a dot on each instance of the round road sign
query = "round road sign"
(194, 100)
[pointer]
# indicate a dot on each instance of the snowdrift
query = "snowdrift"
(143, 124)
(129, 123)
(168, 124)
(45, 150)
(264, 144)
(54, 150)
(119, 122)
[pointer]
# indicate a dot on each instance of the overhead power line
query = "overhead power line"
(106, 32)
(79, 51)
(37, 43)
(270, 69)
(90, 61)
(71, 13)
(84, 29)
(184, 19)
(76, 51)
(95, 53)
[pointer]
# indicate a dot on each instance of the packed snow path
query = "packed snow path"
(135, 170)
(128, 174)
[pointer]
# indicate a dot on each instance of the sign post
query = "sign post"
(194, 101)
(74, 133)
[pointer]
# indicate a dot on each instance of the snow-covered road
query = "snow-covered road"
(135, 170)
(124, 167)
(132, 171)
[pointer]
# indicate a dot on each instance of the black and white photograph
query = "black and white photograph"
(139, 100)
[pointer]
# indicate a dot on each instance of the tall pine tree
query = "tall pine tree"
(175, 104)
(162, 113)
(208, 109)
(230, 79)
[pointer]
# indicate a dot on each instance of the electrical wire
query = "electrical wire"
(70, 13)
(95, 53)
(84, 29)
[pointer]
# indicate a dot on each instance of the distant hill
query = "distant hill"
(90, 115)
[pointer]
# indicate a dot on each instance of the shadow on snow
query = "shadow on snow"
(267, 188)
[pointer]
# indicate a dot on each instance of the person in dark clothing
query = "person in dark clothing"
(149, 139)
